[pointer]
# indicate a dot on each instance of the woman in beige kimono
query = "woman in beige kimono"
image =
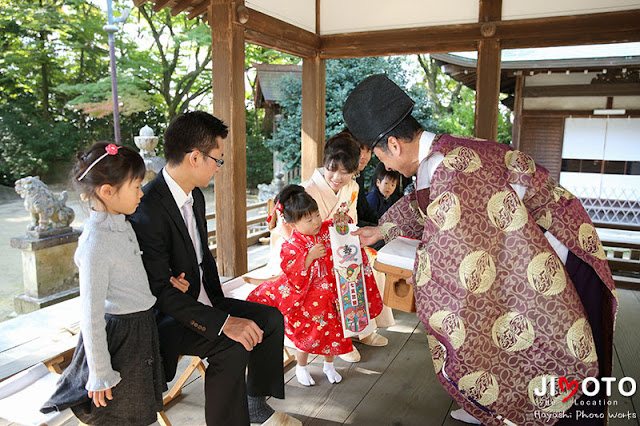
(333, 185)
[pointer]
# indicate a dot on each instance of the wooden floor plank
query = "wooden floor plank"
(627, 338)
(396, 385)
(333, 404)
(408, 393)
(622, 406)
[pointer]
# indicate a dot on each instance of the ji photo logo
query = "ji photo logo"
(590, 386)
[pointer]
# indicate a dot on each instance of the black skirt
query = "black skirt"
(132, 341)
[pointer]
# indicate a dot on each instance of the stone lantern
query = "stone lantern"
(147, 143)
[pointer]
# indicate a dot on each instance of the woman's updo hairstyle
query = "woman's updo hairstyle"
(114, 170)
(342, 150)
(296, 203)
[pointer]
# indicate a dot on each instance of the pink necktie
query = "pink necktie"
(187, 209)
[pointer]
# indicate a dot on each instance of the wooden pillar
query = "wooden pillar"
(488, 80)
(227, 46)
(313, 114)
(487, 90)
(517, 112)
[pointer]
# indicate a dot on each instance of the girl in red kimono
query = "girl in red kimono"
(306, 292)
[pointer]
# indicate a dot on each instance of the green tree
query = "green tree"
(173, 74)
(453, 103)
(44, 44)
(342, 76)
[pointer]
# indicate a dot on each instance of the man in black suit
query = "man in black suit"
(232, 334)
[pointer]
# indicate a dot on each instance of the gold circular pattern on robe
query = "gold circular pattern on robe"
(506, 211)
(477, 272)
(462, 159)
(438, 353)
(449, 325)
(547, 402)
(444, 211)
(545, 220)
(580, 341)
(520, 162)
(423, 270)
(590, 242)
(481, 386)
(561, 192)
(545, 274)
(513, 332)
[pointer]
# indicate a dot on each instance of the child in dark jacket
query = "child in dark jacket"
(382, 196)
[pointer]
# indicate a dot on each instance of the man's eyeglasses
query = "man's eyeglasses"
(220, 163)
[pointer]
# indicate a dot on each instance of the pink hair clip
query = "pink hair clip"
(111, 149)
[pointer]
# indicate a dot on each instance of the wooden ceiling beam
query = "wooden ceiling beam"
(160, 4)
(198, 9)
(180, 6)
(612, 27)
(138, 3)
(270, 32)
(279, 44)
(438, 39)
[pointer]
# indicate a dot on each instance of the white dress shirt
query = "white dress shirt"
(181, 198)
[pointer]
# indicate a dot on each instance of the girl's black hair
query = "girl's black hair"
(342, 150)
(296, 203)
(114, 170)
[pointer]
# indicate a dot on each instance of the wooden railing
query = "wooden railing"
(623, 254)
(254, 232)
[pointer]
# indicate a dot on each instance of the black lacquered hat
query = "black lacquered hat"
(374, 108)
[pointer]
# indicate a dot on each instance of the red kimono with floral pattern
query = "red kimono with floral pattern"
(308, 298)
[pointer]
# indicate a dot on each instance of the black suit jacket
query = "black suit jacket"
(366, 215)
(168, 251)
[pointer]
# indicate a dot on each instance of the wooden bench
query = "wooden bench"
(50, 335)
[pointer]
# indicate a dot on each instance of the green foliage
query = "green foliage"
(32, 147)
(55, 86)
(453, 104)
(342, 76)
(42, 45)
(259, 158)
(461, 119)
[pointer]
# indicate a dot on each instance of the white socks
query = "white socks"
(331, 373)
(305, 379)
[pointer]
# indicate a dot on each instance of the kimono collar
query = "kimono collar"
(104, 220)
(426, 140)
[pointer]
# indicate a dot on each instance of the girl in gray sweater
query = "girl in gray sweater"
(116, 375)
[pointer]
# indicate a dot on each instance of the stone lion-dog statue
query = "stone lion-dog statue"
(47, 211)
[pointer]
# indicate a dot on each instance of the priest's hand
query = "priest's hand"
(368, 235)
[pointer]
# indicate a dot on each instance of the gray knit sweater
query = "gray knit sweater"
(112, 280)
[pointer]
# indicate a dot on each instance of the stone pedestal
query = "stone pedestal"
(49, 273)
